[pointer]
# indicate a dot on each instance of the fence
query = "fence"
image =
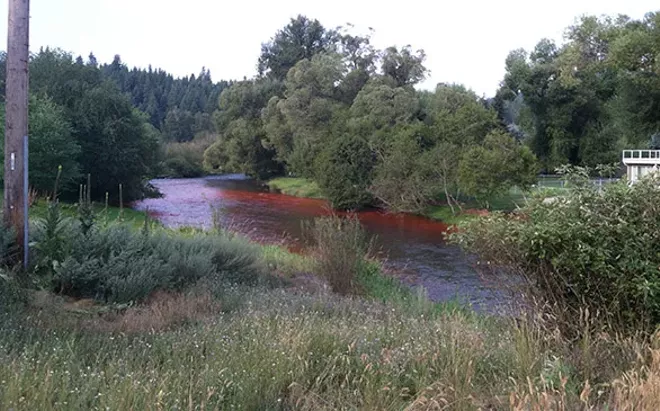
(558, 181)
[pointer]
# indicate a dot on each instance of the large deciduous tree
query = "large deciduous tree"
(301, 39)
(500, 163)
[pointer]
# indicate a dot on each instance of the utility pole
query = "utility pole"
(16, 120)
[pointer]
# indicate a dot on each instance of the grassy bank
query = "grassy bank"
(103, 214)
(182, 319)
(302, 187)
(295, 186)
(514, 198)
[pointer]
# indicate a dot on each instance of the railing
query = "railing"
(645, 155)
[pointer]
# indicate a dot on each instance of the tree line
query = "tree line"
(584, 101)
(108, 121)
(330, 107)
(327, 105)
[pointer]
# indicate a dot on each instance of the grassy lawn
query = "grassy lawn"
(295, 186)
(443, 213)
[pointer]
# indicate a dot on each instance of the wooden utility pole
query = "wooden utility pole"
(16, 119)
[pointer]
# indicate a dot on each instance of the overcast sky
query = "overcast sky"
(466, 41)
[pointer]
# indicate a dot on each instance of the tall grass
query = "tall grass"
(278, 350)
(341, 247)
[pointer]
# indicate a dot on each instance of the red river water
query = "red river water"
(412, 246)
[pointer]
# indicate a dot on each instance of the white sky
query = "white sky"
(466, 41)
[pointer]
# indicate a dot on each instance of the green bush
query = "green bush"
(186, 159)
(181, 167)
(344, 172)
(588, 249)
(51, 145)
(119, 264)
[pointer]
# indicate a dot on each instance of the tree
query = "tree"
(51, 146)
(301, 39)
(488, 170)
(344, 171)
(440, 167)
(239, 150)
(457, 115)
(312, 109)
(379, 107)
(635, 110)
(118, 147)
(241, 146)
(400, 182)
(179, 125)
(404, 66)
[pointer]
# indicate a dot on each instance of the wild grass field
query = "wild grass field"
(114, 316)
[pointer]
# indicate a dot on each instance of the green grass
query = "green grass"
(127, 215)
(111, 214)
(443, 213)
(285, 262)
(302, 187)
(274, 351)
(295, 186)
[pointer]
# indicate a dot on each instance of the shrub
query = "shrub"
(341, 249)
(591, 249)
(119, 264)
(493, 168)
(344, 171)
(186, 159)
(181, 167)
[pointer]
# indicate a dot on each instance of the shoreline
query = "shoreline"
(304, 188)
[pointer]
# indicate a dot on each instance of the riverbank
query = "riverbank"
(302, 187)
(222, 346)
(229, 340)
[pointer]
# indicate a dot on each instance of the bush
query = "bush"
(588, 249)
(186, 159)
(181, 167)
(118, 264)
(118, 145)
(341, 249)
(344, 171)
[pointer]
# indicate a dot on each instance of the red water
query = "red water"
(411, 245)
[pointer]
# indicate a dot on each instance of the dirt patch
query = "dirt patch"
(162, 311)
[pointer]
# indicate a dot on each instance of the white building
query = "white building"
(640, 163)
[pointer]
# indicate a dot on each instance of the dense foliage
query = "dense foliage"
(330, 107)
(322, 92)
(117, 263)
(108, 121)
(591, 248)
(584, 101)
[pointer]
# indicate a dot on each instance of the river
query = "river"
(413, 247)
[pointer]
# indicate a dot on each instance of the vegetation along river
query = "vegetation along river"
(412, 246)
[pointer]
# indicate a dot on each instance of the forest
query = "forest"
(328, 106)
